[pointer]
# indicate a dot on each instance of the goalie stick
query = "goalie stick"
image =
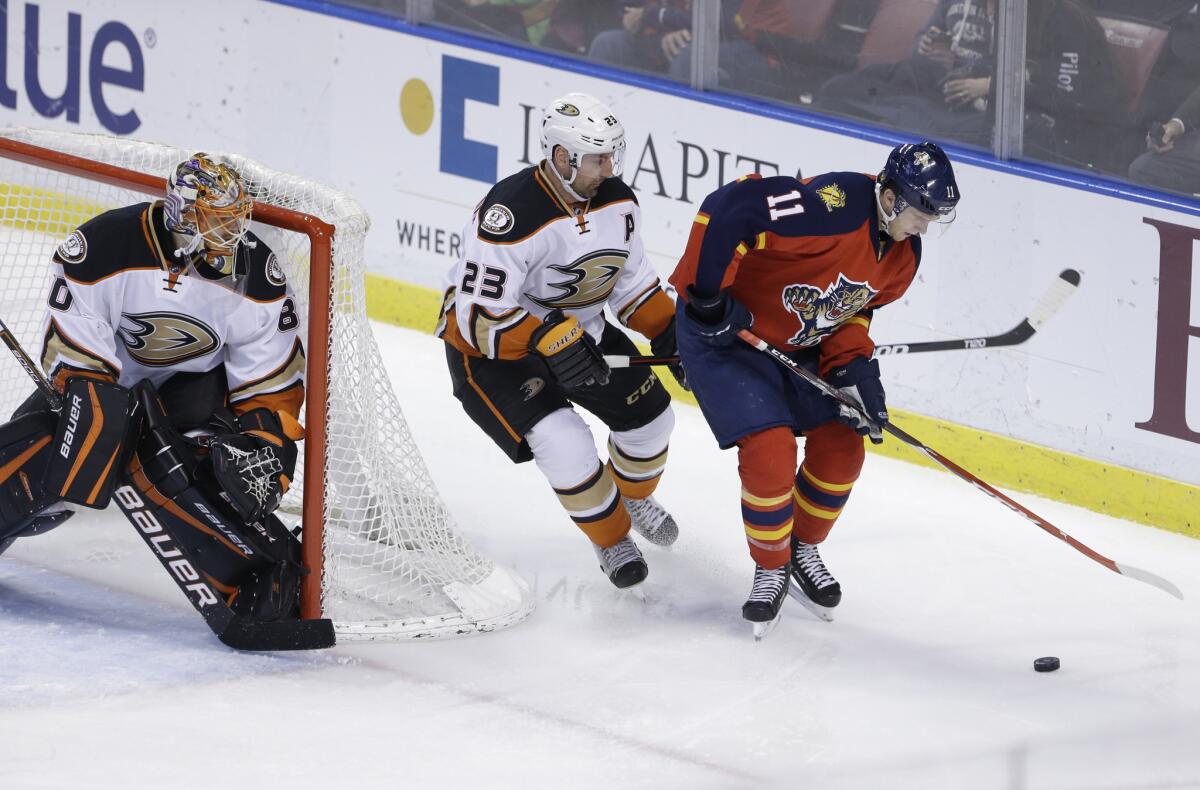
(934, 455)
(1058, 292)
(234, 630)
(35, 373)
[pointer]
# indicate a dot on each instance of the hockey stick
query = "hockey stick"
(1058, 292)
(33, 370)
(236, 631)
(934, 455)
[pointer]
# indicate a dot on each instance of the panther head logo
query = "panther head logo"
(822, 311)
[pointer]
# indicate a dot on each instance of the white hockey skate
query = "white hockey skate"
(651, 521)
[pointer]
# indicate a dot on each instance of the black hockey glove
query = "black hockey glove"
(859, 379)
(664, 345)
(717, 318)
(571, 354)
(255, 466)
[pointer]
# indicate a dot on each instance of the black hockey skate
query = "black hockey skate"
(622, 563)
(651, 520)
(814, 586)
(766, 598)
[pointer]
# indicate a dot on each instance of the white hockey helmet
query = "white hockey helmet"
(582, 124)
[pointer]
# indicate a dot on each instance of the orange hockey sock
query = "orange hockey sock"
(766, 465)
(833, 458)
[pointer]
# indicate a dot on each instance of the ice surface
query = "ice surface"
(925, 679)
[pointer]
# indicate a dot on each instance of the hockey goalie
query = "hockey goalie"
(171, 338)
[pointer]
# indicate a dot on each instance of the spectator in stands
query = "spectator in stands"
(651, 35)
(945, 89)
(1173, 159)
(950, 65)
(502, 18)
(741, 65)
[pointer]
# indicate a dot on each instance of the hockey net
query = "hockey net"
(387, 560)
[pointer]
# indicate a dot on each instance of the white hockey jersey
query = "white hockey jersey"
(527, 250)
(121, 307)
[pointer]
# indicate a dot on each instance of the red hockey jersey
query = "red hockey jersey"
(806, 257)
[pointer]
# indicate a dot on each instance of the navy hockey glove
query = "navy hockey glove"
(571, 354)
(255, 466)
(718, 318)
(859, 380)
(664, 345)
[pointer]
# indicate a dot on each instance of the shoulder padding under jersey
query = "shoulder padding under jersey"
(112, 242)
(612, 190)
(267, 281)
(516, 208)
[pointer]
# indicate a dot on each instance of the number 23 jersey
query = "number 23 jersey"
(528, 250)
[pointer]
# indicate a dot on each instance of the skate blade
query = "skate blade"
(762, 629)
(823, 612)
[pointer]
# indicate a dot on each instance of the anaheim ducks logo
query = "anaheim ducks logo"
(832, 196)
(590, 280)
(164, 339)
(821, 312)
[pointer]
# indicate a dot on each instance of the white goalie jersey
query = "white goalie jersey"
(122, 308)
(527, 251)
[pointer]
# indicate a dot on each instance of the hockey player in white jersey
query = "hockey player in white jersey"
(174, 297)
(523, 319)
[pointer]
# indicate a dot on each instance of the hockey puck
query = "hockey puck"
(1045, 664)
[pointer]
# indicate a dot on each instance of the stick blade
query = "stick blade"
(1058, 292)
(1149, 578)
(243, 633)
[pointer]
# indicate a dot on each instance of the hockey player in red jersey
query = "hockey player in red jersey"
(162, 318)
(806, 264)
(523, 319)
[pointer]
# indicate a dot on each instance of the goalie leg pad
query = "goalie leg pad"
(25, 451)
(255, 567)
(89, 444)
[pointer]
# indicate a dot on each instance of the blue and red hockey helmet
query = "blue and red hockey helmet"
(921, 176)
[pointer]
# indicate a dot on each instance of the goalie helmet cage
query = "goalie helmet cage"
(386, 558)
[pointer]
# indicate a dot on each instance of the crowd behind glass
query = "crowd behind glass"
(1111, 86)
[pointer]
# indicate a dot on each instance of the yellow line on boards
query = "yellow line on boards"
(1002, 461)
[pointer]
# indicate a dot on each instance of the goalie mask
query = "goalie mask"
(582, 125)
(208, 203)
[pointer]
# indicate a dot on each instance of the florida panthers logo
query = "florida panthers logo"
(163, 339)
(821, 312)
(590, 280)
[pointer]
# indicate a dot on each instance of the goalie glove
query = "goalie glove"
(859, 381)
(570, 353)
(255, 466)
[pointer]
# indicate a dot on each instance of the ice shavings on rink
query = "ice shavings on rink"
(925, 679)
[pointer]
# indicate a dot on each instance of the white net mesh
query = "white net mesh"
(394, 563)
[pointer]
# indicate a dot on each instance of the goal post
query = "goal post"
(386, 559)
